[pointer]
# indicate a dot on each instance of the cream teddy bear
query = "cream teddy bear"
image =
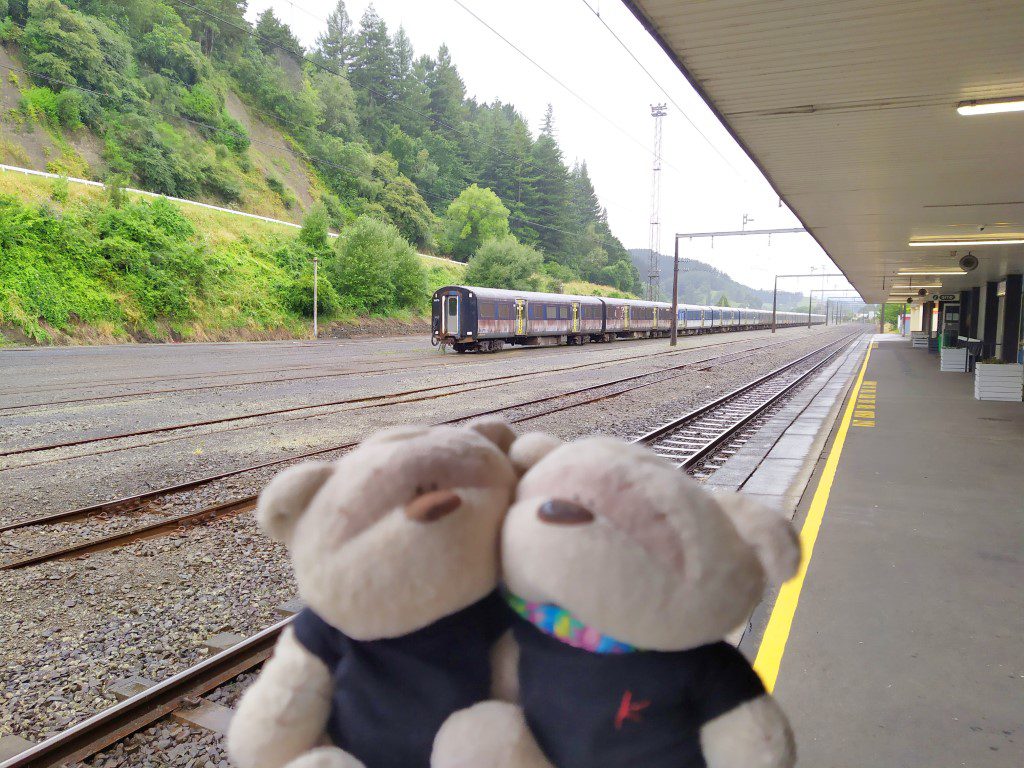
(627, 576)
(395, 552)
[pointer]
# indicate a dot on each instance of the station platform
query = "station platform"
(901, 642)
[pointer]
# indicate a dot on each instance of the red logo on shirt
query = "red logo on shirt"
(629, 710)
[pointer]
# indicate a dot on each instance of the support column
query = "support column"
(991, 317)
(975, 302)
(1011, 318)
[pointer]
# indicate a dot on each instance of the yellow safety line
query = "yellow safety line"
(773, 644)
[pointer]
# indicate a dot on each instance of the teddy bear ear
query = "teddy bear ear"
(767, 531)
(286, 497)
(531, 448)
(495, 429)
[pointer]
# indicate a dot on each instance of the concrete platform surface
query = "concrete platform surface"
(907, 644)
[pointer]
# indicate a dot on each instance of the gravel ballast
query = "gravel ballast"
(75, 626)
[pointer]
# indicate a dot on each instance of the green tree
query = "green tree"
(505, 263)
(547, 195)
(273, 35)
(723, 302)
(474, 217)
(375, 269)
(334, 45)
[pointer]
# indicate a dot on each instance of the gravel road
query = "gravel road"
(73, 627)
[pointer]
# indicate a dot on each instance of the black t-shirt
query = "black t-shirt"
(646, 708)
(391, 696)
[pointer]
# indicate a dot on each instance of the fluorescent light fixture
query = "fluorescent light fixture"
(991, 106)
(930, 273)
(1017, 240)
(901, 288)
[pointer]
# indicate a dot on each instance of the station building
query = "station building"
(894, 132)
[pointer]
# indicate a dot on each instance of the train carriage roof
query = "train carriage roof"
(502, 294)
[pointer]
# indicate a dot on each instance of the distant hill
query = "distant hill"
(700, 283)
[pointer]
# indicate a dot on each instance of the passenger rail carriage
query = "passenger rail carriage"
(485, 319)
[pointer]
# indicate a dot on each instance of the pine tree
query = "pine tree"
(334, 45)
(548, 192)
(373, 76)
(447, 91)
(273, 36)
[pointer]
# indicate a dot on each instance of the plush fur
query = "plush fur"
(396, 535)
(660, 564)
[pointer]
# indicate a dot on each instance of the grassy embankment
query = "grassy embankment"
(73, 270)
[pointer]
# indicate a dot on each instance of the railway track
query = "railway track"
(686, 441)
(692, 438)
(136, 712)
(577, 397)
(367, 401)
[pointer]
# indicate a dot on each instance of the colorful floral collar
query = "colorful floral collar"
(562, 625)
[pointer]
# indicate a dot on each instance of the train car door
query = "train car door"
(575, 317)
(625, 317)
(451, 314)
(520, 317)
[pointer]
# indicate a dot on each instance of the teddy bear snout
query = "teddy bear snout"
(432, 506)
(564, 512)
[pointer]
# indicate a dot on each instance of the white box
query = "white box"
(995, 381)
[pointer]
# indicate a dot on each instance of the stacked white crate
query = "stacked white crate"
(995, 381)
(953, 359)
(919, 339)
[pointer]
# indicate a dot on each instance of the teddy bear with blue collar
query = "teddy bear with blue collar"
(395, 553)
(626, 577)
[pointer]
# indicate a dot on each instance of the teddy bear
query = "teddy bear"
(395, 553)
(626, 576)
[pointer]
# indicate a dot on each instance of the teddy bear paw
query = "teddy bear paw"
(325, 757)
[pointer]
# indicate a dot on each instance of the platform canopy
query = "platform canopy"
(849, 108)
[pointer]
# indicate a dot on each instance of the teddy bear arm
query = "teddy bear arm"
(755, 734)
(492, 734)
(284, 713)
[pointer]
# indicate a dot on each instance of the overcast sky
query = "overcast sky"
(707, 181)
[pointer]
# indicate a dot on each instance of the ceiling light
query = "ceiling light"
(935, 272)
(990, 106)
(901, 288)
(1016, 240)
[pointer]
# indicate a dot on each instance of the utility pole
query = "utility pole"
(675, 293)
(315, 281)
(658, 111)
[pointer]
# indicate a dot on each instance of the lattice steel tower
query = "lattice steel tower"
(658, 111)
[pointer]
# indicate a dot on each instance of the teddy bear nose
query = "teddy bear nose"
(432, 506)
(563, 512)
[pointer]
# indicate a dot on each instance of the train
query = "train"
(472, 319)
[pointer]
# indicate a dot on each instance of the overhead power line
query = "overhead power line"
(661, 88)
(559, 82)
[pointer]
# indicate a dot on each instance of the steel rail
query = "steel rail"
(248, 503)
(135, 502)
(741, 406)
(135, 713)
(488, 381)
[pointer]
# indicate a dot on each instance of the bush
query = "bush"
(375, 269)
(505, 263)
(299, 295)
(60, 190)
(165, 50)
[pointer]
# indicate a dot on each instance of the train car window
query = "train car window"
(487, 310)
(504, 311)
(563, 313)
(550, 312)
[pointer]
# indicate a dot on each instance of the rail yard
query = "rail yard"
(128, 546)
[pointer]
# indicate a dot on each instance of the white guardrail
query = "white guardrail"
(90, 183)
